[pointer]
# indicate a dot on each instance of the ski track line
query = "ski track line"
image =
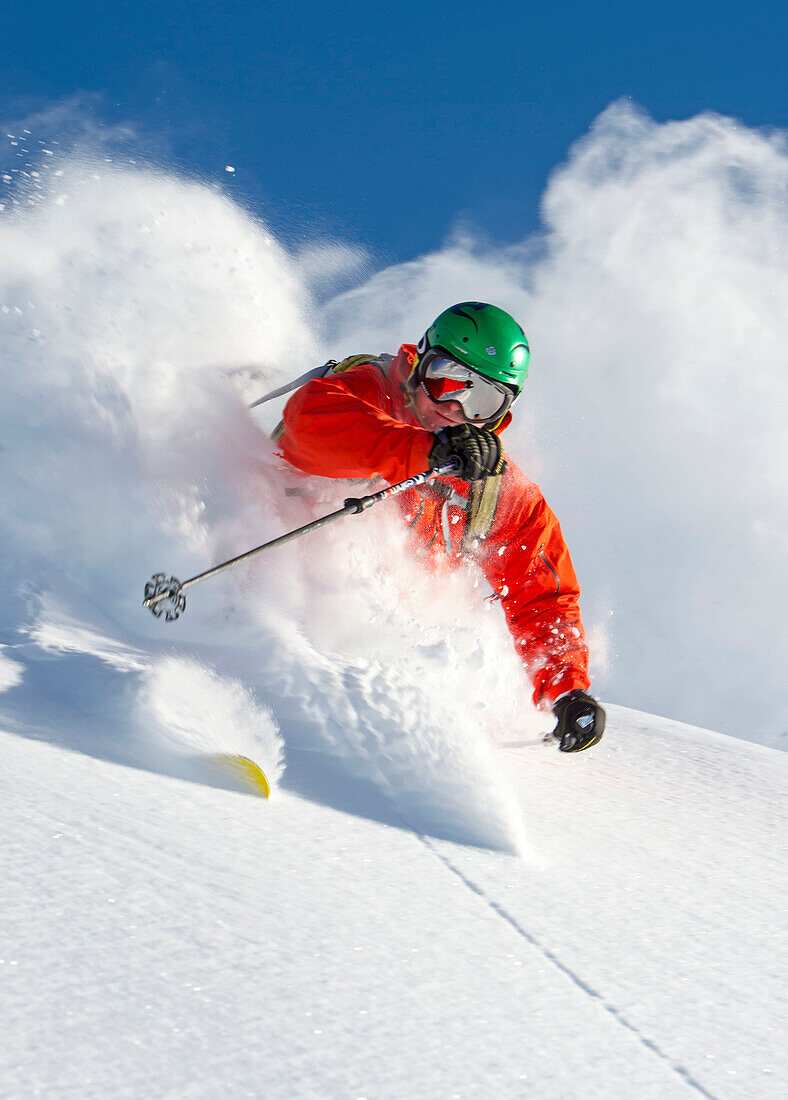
(576, 980)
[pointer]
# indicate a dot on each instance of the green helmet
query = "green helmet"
(485, 338)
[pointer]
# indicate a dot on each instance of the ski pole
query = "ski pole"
(544, 740)
(164, 595)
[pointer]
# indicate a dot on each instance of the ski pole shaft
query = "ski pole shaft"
(162, 589)
(530, 742)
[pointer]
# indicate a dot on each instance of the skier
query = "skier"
(448, 398)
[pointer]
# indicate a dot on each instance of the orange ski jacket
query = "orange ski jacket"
(359, 424)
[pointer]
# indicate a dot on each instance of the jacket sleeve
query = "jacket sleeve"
(527, 562)
(341, 426)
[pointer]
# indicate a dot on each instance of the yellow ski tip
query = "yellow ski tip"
(250, 774)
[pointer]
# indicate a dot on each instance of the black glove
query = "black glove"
(478, 451)
(581, 721)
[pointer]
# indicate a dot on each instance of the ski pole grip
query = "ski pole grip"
(450, 467)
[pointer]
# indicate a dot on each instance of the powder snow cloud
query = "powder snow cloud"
(134, 301)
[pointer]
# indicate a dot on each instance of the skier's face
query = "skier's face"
(449, 393)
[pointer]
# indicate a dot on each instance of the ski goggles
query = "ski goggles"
(444, 379)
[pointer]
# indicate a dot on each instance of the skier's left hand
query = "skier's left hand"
(581, 721)
(477, 451)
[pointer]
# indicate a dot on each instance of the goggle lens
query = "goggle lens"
(443, 389)
(481, 399)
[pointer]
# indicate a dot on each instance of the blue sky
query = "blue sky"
(388, 125)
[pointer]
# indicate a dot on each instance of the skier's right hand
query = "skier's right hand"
(477, 451)
(580, 721)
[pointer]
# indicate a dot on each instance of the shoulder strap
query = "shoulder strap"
(382, 362)
(316, 372)
(482, 506)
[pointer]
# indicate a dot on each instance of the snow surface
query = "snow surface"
(165, 937)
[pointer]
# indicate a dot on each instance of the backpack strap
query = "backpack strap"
(382, 362)
(316, 372)
(482, 506)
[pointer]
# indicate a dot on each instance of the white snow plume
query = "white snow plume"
(199, 712)
(129, 297)
(654, 416)
(409, 678)
(119, 308)
(60, 630)
(182, 707)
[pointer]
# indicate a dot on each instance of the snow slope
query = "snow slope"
(166, 937)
